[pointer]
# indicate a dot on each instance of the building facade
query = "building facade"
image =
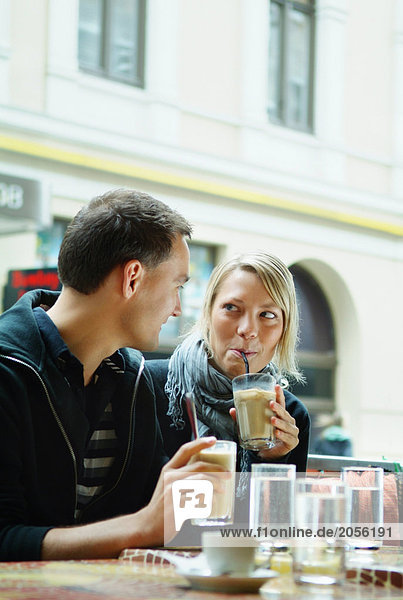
(270, 124)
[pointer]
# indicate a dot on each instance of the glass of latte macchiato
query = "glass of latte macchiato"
(253, 393)
(222, 453)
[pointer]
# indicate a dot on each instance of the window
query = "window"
(291, 47)
(48, 243)
(316, 352)
(202, 262)
(111, 39)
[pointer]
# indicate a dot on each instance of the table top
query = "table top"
(143, 575)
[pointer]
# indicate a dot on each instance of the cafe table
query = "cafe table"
(146, 574)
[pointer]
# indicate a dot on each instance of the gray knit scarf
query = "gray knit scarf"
(190, 371)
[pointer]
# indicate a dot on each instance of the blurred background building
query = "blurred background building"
(271, 124)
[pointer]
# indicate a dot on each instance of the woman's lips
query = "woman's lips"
(248, 353)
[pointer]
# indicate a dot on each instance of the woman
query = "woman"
(249, 307)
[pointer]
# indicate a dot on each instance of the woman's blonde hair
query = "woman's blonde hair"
(279, 283)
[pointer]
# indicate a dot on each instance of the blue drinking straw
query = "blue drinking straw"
(245, 360)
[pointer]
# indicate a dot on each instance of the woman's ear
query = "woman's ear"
(132, 274)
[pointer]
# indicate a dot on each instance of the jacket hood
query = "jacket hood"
(19, 332)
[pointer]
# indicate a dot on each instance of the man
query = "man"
(80, 451)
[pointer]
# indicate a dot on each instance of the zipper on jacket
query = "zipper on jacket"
(56, 416)
(129, 443)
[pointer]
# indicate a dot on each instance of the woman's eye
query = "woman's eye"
(230, 307)
(267, 314)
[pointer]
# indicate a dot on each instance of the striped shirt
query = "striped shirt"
(98, 458)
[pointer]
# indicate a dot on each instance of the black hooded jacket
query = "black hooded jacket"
(43, 433)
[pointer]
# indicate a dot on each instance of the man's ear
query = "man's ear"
(132, 274)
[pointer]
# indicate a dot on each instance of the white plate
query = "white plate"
(203, 580)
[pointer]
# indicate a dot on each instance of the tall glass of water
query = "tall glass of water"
(320, 512)
(365, 514)
(271, 506)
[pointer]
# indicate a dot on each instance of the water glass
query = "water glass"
(271, 502)
(365, 511)
(318, 554)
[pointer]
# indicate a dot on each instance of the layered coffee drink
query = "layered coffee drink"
(222, 453)
(254, 417)
(252, 397)
(224, 500)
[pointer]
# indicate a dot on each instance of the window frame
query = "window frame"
(283, 119)
(312, 360)
(138, 80)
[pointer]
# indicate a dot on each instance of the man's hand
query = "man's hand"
(159, 512)
(285, 430)
(143, 529)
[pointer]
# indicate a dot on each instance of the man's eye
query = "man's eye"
(267, 314)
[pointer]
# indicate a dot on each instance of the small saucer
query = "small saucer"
(204, 580)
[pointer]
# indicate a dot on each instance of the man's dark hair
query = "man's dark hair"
(112, 229)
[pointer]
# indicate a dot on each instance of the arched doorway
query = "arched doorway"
(316, 351)
(329, 346)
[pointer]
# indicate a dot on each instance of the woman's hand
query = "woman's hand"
(284, 428)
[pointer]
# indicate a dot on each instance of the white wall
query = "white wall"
(4, 50)
(202, 116)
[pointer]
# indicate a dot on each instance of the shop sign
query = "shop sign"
(21, 198)
(22, 280)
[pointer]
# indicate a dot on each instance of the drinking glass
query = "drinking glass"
(365, 511)
(271, 502)
(253, 393)
(320, 509)
(222, 453)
